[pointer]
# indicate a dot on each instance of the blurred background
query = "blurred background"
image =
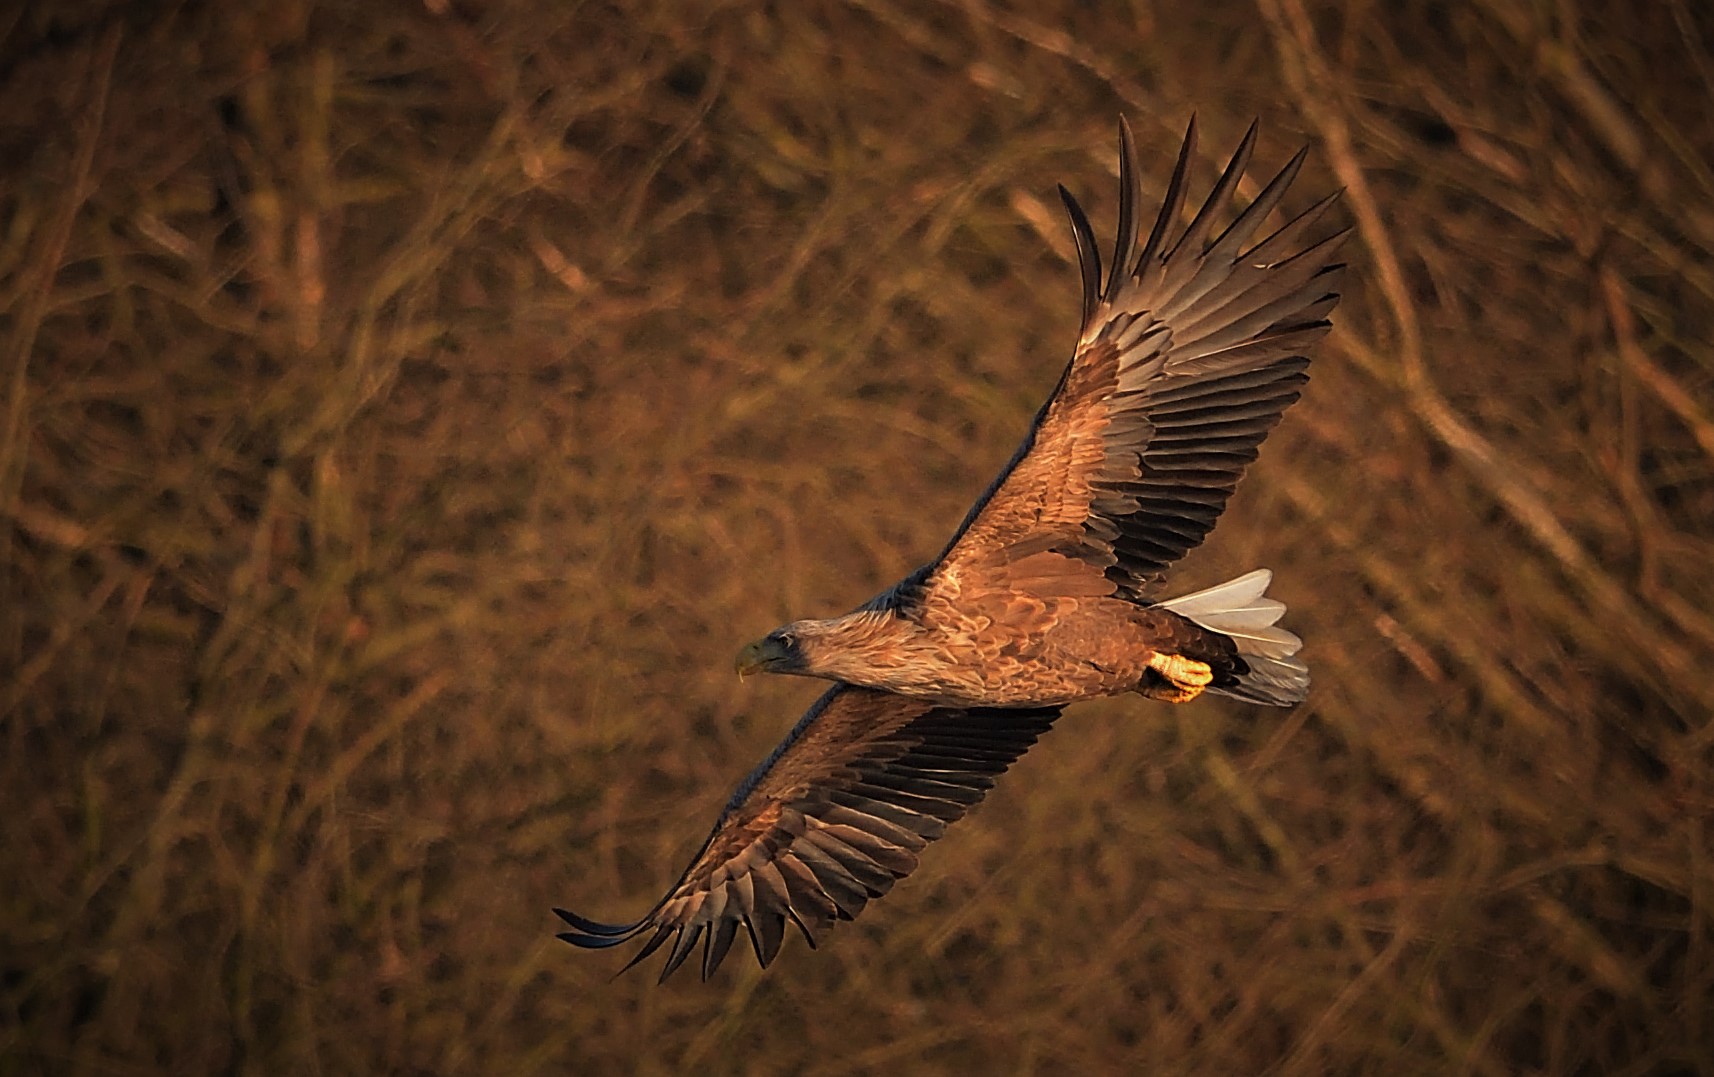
(408, 408)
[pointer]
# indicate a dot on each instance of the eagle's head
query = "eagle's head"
(780, 651)
(835, 648)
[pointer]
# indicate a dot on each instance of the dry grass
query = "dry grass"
(406, 412)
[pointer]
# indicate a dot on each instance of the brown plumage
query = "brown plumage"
(1046, 594)
(832, 819)
(1187, 358)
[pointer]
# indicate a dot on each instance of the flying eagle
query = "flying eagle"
(1047, 592)
(1186, 360)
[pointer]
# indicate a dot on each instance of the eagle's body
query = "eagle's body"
(1047, 593)
(967, 649)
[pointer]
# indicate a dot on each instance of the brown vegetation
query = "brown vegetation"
(407, 409)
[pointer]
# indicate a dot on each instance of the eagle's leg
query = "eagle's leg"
(1185, 678)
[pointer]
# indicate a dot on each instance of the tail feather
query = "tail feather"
(1241, 610)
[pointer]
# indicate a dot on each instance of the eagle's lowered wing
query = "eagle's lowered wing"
(832, 819)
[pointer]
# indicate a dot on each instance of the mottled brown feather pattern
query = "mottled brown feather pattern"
(1047, 491)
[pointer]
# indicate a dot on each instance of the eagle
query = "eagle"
(1047, 594)
(1048, 591)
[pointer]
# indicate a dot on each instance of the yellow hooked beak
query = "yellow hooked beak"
(761, 656)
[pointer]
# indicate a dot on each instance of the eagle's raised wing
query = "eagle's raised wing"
(1186, 360)
(832, 819)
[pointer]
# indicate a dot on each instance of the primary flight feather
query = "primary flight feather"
(1189, 353)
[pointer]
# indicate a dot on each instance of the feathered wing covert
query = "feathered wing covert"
(831, 820)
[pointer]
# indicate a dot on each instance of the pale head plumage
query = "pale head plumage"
(874, 645)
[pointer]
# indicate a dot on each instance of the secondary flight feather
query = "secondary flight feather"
(1189, 351)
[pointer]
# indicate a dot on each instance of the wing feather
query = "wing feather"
(807, 901)
(768, 925)
(1187, 357)
(720, 942)
(682, 946)
(834, 817)
(848, 896)
(1088, 254)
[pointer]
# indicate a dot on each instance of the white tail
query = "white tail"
(1241, 609)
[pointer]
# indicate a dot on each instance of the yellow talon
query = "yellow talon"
(1185, 678)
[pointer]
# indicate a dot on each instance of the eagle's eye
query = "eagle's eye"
(787, 640)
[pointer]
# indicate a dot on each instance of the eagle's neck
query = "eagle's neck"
(880, 648)
(866, 635)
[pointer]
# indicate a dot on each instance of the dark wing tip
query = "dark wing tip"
(1195, 237)
(683, 946)
(591, 942)
(1173, 203)
(589, 934)
(1130, 193)
(720, 939)
(1088, 255)
(595, 927)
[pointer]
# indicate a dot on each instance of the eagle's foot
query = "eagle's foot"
(1185, 678)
